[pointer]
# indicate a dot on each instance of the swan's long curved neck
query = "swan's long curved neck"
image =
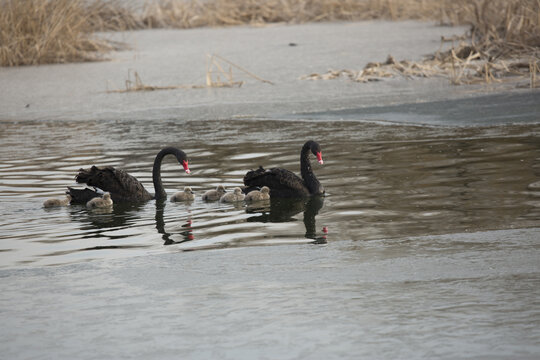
(310, 180)
(156, 170)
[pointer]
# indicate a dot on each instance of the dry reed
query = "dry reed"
(48, 31)
(503, 44)
(194, 13)
(217, 76)
(504, 38)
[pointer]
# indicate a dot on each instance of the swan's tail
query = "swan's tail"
(79, 196)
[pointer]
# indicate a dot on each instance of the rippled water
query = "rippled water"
(383, 181)
(397, 261)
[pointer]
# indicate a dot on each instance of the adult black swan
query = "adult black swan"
(122, 186)
(284, 183)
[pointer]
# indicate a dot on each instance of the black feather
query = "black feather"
(284, 183)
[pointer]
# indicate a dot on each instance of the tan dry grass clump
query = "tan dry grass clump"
(503, 44)
(111, 15)
(197, 13)
(47, 31)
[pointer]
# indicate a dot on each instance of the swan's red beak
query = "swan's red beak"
(185, 165)
(319, 157)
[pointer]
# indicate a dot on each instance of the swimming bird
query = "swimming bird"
(122, 186)
(186, 195)
(99, 202)
(233, 197)
(284, 183)
(57, 202)
(257, 195)
(214, 195)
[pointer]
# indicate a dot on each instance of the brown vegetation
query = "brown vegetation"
(217, 76)
(504, 41)
(39, 32)
(504, 38)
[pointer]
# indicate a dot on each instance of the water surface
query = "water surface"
(410, 254)
(382, 181)
(426, 245)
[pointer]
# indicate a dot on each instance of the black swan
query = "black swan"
(257, 195)
(122, 186)
(186, 195)
(232, 197)
(57, 202)
(97, 202)
(284, 183)
(214, 195)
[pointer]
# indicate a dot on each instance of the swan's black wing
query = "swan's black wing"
(122, 186)
(282, 183)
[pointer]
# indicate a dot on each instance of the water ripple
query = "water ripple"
(382, 182)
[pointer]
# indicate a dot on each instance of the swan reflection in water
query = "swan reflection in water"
(94, 223)
(187, 233)
(283, 210)
(118, 216)
(275, 211)
(125, 215)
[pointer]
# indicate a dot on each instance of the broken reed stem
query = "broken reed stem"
(454, 79)
(211, 61)
(243, 70)
(533, 68)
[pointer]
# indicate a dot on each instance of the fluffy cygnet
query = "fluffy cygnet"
(98, 202)
(214, 195)
(233, 197)
(186, 195)
(257, 195)
(57, 202)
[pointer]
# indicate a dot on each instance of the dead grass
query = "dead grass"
(217, 76)
(46, 31)
(194, 13)
(110, 15)
(504, 39)
(502, 45)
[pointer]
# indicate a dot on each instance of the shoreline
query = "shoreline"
(177, 57)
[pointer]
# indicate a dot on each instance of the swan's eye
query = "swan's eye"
(185, 165)
(319, 158)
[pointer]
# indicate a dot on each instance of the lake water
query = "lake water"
(410, 255)
(426, 245)
(382, 182)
